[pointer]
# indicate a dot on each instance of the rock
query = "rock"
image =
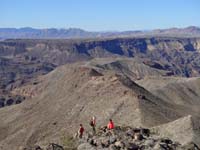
(91, 141)
(112, 140)
(132, 146)
(119, 144)
(130, 132)
(105, 143)
(9, 102)
(166, 140)
(2, 104)
(145, 132)
(85, 146)
(158, 147)
(136, 130)
(36, 147)
(112, 147)
(18, 101)
(53, 146)
(138, 137)
(149, 142)
(164, 146)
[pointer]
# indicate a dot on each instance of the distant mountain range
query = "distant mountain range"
(53, 33)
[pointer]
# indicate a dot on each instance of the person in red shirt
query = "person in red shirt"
(80, 131)
(110, 125)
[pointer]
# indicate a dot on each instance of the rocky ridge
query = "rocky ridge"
(121, 138)
(72, 93)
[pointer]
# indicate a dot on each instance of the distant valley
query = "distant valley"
(22, 61)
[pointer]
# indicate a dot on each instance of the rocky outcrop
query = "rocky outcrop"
(127, 138)
(121, 138)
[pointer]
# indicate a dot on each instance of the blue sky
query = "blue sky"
(100, 15)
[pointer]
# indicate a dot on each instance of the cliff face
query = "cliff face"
(180, 55)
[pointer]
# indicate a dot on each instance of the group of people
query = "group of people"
(92, 123)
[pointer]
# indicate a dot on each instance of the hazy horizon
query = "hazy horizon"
(145, 30)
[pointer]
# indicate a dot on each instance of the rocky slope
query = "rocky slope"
(133, 68)
(181, 91)
(70, 95)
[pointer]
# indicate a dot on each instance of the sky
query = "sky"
(100, 15)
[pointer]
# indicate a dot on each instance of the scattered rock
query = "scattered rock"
(127, 138)
(53, 146)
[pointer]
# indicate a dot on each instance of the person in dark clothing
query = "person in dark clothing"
(93, 124)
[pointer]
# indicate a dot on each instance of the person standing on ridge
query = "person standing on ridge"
(110, 125)
(93, 124)
(80, 131)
